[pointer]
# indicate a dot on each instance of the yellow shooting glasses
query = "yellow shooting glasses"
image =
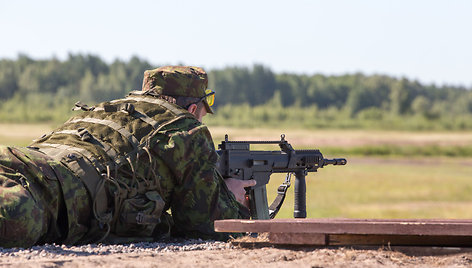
(209, 97)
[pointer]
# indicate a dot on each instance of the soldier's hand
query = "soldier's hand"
(237, 188)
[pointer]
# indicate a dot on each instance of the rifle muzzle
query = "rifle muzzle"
(335, 161)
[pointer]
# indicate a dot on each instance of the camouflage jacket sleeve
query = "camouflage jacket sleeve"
(200, 195)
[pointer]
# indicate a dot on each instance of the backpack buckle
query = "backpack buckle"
(140, 218)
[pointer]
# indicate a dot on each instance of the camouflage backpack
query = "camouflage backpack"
(105, 147)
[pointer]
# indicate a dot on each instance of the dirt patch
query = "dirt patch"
(253, 257)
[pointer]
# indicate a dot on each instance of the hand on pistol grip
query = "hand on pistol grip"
(237, 187)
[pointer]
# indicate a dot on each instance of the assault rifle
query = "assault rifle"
(239, 162)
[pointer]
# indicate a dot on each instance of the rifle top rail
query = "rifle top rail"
(256, 142)
(245, 145)
(282, 140)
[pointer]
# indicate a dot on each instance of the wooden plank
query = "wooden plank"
(399, 240)
(424, 227)
(368, 240)
(298, 239)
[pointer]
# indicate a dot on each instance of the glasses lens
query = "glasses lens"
(210, 99)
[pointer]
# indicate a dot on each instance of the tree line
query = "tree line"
(52, 83)
(353, 93)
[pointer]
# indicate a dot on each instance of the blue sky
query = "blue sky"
(429, 41)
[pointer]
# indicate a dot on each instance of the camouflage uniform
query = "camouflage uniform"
(112, 172)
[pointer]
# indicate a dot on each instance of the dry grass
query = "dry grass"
(22, 134)
(350, 138)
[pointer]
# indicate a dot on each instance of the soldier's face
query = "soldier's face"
(200, 112)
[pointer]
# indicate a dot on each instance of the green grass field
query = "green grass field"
(386, 188)
(377, 186)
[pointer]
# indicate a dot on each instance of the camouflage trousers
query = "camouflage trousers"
(41, 200)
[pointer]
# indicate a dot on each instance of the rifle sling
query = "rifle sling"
(279, 199)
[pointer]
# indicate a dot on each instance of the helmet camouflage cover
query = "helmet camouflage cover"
(176, 81)
(187, 81)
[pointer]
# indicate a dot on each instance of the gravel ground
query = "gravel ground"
(56, 251)
(199, 253)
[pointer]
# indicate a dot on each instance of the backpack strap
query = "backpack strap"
(85, 135)
(91, 172)
(176, 110)
(129, 108)
(141, 218)
(140, 96)
(69, 153)
(115, 126)
(82, 106)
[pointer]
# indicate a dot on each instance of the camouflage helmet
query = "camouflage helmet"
(187, 81)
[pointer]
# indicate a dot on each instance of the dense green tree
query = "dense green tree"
(8, 79)
(399, 95)
(421, 105)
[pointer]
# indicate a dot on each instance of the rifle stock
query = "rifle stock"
(239, 162)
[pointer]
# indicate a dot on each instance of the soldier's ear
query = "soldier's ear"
(192, 109)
